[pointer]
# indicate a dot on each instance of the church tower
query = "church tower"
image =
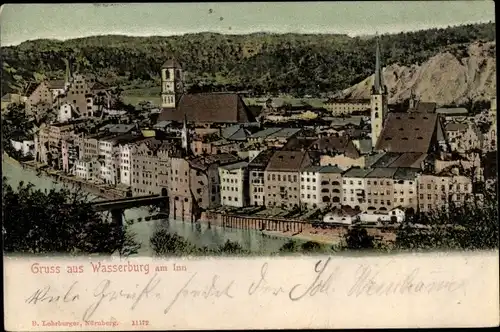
(379, 100)
(185, 135)
(172, 83)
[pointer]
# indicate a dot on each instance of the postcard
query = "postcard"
(272, 165)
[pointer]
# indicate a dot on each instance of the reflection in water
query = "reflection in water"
(200, 234)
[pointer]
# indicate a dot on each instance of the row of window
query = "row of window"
(443, 187)
(273, 177)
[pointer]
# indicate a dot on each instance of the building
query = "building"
(200, 108)
(354, 188)
(204, 178)
(87, 169)
(437, 191)
(70, 153)
(310, 187)
(64, 113)
(321, 187)
(148, 166)
(26, 147)
(463, 137)
(179, 191)
(40, 100)
(256, 169)
(411, 132)
(281, 178)
(12, 98)
(234, 184)
(337, 151)
(340, 107)
(379, 189)
(405, 188)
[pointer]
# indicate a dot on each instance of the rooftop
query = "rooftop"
(284, 133)
(287, 161)
(238, 165)
(455, 127)
(355, 172)
(262, 159)
(405, 174)
(205, 161)
(209, 108)
(382, 173)
(452, 111)
(264, 133)
(408, 132)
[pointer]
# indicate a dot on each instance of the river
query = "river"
(198, 234)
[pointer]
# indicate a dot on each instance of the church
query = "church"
(200, 108)
(419, 130)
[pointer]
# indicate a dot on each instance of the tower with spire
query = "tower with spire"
(185, 136)
(172, 83)
(379, 100)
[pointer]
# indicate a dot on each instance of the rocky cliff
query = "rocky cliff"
(452, 76)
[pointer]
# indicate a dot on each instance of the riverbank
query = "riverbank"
(99, 190)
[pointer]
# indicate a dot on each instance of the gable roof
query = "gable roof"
(209, 108)
(262, 159)
(407, 132)
(287, 161)
(409, 160)
(340, 144)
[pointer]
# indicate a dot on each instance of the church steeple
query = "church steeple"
(379, 99)
(378, 85)
(184, 135)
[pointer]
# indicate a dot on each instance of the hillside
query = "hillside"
(461, 73)
(262, 63)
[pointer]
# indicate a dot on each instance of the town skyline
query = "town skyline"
(234, 18)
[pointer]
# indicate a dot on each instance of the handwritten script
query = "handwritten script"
(161, 291)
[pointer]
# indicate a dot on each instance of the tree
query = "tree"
(164, 243)
(231, 248)
(469, 226)
(58, 221)
(358, 238)
(289, 247)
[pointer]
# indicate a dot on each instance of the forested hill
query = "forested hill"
(264, 63)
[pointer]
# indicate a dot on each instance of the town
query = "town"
(347, 161)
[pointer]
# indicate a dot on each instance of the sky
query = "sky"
(21, 22)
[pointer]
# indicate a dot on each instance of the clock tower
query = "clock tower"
(172, 83)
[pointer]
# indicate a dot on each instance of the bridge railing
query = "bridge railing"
(124, 199)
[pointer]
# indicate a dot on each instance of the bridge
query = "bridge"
(128, 203)
(117, 206)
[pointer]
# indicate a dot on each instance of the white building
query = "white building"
(87, 169)
(234, 184)
(310, 187)
(107, 169)
(341, 217)
(396, 215)
(354, 188)
(27, 148)
(65, 113)
(125, 164)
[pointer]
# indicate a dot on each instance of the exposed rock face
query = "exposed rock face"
(445, 78)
